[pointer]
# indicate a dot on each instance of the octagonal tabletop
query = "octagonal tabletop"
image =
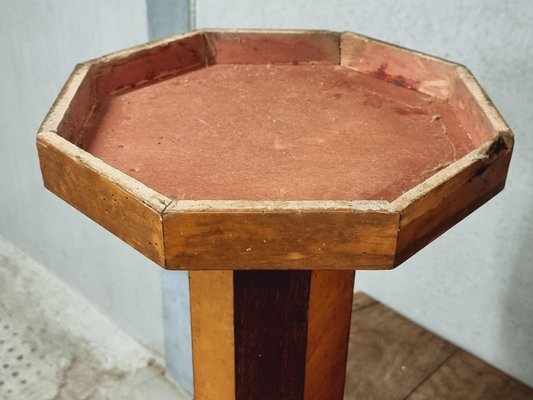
(262, 149)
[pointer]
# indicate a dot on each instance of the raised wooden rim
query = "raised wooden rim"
(149, 197)
(164, 205)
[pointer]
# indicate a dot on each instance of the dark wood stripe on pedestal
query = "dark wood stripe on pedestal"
(270, 311)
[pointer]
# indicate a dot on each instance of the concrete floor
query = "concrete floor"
(54, 345)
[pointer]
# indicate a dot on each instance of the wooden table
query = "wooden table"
(272, 165)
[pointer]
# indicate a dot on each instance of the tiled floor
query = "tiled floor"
(54, 345)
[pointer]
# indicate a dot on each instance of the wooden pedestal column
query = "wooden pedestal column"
(270, 334)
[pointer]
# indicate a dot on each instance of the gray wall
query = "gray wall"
(471, 286)
(474, 285)
(40, 42)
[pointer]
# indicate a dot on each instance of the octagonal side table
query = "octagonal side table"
(272, 165)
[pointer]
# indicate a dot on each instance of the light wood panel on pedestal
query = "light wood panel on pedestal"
(270, 334)
(213, 343)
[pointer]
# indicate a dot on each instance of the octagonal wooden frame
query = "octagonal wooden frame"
(273, 234)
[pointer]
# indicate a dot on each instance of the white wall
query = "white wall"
(474, 285)
(40, 42)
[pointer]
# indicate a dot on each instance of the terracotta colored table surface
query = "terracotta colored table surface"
(276, 132)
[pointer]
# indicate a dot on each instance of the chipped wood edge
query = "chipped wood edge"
(489, 150)
(503, 139)
(485, 105)
(147, 196)
(430, 216)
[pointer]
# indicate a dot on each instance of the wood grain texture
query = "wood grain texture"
(213, 344)
(389, 355)
(465, 377)
(328, 327)
(397, 65)
(271, 334)
(279, 240)
(448, 197)
(272, 47)
(127, 209)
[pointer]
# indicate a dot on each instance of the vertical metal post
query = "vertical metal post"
(167, 18)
